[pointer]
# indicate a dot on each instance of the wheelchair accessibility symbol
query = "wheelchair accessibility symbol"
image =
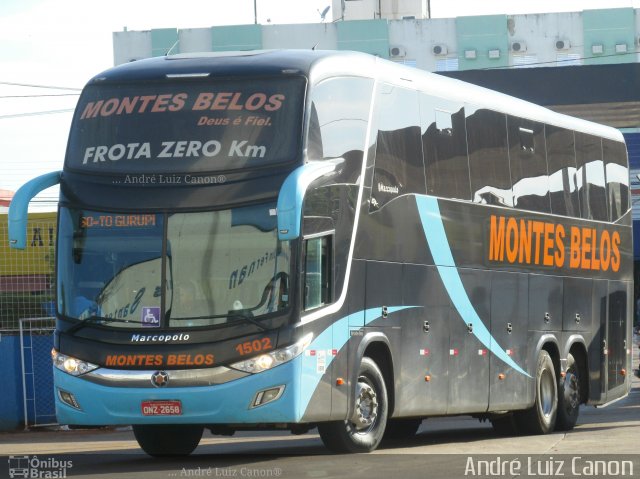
(150, 316)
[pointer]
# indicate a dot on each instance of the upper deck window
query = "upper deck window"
(617, 173)
(488, 157)
(399, 167)
(563, 183)
(186, 127)
(528, 164)
(591, 177)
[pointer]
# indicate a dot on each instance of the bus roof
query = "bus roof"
(320, 64)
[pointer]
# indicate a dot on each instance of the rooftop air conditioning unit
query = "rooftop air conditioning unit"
(440, 50)
(563, 44)
(518, 47)
(397, 51)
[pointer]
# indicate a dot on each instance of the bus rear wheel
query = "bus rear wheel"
(569, 396)
(365, 429)
(541, 418)
(168, 440)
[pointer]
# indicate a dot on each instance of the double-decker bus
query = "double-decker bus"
(300, 239)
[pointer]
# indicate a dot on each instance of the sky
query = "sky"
(63, 43)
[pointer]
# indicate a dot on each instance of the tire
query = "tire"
(363, 432)
(505, 425)
(401, 428)
(168, 440)
(541, 418)
(569, 396)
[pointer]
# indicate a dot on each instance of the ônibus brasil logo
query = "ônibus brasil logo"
(35, 467)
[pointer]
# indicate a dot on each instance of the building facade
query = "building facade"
(592, 37)
(585, 64)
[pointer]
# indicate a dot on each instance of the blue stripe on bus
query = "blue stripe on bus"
(443, 258)
(334, 337)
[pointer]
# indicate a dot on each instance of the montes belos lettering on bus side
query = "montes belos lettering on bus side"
(542, 243)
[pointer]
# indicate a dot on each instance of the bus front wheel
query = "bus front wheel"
(168, 440)
(541, 418)
(364, 430)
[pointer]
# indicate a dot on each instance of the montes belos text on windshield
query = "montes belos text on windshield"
(169, 102)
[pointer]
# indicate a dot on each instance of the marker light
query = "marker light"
(71, 365)
(274, 358)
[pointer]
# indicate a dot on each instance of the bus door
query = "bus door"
(615, 343)
(468, 356)
(608, 349)
(383, 292)
(424, 356)
(347, 358)
(383, 301)
(509, 388)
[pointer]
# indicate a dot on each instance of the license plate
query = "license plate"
(161, 408)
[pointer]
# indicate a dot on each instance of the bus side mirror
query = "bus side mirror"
(292, 193)
(19, 207)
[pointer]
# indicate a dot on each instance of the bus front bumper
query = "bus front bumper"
(228, 403)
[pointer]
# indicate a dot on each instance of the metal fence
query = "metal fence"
(27, 287)
(36, 341)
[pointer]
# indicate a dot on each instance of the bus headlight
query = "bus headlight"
(71, 365)
(274, 358)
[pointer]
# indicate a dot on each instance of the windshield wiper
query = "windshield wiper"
(95, 320)
(241, 316)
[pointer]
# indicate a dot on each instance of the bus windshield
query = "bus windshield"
(187, 126)
(218, 267)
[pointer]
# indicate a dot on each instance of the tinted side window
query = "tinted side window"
(399, 168)
(489, 158)
(338, 117)
(317, 272)
(444, 142)
(338, 121)
(615, 159)
(561, 157)
(528, 162)
(591, 179)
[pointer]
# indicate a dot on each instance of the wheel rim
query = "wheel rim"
(365, 411)
(547, 393)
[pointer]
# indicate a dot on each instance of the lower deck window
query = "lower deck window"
(317, 276)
